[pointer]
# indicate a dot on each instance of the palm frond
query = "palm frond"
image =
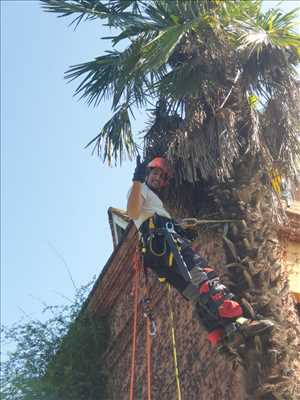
(268, 49)
(100, 75)
(230, 11)
(273, 28)
(168, 13)
(188, 80)
(116, 75)
(162, 18)
(139, 27)
(115, 140)
(178, 11)
(157, 51)
(115, 12)
(160, 128)
(136, 6)
(188, 53)
(87, 9)
(280, 121)
(155, 16)
(129, 82)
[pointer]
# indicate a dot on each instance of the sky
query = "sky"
(54, 192)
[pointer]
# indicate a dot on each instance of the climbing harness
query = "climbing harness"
(166, 230)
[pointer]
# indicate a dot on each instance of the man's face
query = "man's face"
(156, 179)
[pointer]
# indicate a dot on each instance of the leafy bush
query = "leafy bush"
(58, 359)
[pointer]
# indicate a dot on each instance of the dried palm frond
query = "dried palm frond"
(206, 151)
(160, 130)
(280, 121)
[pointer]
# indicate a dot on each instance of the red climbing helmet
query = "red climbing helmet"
(163, 164)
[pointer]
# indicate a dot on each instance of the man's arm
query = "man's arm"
(135, 201)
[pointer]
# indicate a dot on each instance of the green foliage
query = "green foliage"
(273, 28)
(76, 371)
(116, 134)
(87, 9)
(56, 359)
(183, 52)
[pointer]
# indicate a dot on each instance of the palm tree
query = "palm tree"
(220, 80)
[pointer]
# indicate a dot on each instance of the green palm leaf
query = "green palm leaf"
(100, 77)
(157, 51)
(115, 75)
(273, 29)
(186, 53)
(115, 139)
(184, 81)
(121, 5)
(87, 9)
(268, 46)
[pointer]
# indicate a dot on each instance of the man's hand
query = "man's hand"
(140, 170)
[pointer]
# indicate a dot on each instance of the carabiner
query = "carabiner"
(153, 329)
(149, 241)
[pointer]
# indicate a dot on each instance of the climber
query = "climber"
(171, 256)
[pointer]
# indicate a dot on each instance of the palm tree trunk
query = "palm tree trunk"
(256, 272)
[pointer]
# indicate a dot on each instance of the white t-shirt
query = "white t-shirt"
(151, 205)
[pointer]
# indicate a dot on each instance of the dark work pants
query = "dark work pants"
(215, 304)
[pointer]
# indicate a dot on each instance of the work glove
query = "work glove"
(140, 170)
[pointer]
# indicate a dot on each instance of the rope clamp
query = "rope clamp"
(170, 227)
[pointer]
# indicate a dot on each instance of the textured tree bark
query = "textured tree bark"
(222, 160)
(256, 272)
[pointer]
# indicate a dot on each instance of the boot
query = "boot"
(250, 328)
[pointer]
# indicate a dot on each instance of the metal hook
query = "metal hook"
(153, 329)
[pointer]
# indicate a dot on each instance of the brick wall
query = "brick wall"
(203, 374)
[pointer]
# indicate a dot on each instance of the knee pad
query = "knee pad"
(230, 309)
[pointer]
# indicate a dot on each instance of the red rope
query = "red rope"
(136, 270)
(149, 368)
(149, 333)
(135, 290)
